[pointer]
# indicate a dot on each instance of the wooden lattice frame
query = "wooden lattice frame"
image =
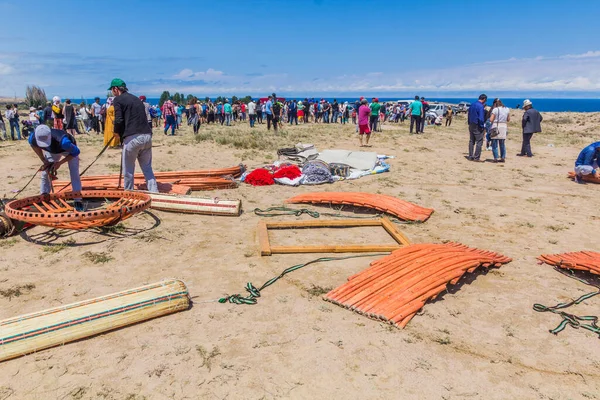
(266, 249)
(52, 209)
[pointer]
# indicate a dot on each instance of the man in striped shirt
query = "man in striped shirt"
(170, 115)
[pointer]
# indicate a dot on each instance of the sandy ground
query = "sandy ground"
(482, 341)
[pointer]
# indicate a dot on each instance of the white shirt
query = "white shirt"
(252, 108)
(501, 114)
(83, 112)
(96, 108)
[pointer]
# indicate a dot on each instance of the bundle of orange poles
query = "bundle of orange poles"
(581, 260)
(174, 182)
(401, 209)
(397, 286)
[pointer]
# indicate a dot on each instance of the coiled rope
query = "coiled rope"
(254, 292)
(573, 320)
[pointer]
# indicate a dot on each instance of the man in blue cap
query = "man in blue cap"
(587, 162)
(131, 124)
(56, 147)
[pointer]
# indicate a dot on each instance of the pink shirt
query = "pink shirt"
(363, 115)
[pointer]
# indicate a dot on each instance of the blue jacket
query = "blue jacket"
(588, 155)
(61, 142)
(477, 114)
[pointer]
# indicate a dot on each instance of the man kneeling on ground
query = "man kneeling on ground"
(131, 124)
(587, 162)
(56, 147)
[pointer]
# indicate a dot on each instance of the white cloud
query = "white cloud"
(584, 55)
(6, 69)
(188, 74)
(572, 72)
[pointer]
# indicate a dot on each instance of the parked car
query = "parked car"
(405, 103)
(438, 109)
(463, 106)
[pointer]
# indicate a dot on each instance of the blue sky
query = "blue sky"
(318, 47)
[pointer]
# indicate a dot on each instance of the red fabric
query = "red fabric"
(259, 177)
(288, 171)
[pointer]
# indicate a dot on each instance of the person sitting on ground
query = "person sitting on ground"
(55, 147)
(587, 162)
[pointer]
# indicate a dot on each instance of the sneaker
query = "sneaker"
(580, 180)
(78, 206)
(520, 155)
(489, 148)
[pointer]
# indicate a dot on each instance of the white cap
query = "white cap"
(56, 99)
(43, 136)
(526, 103)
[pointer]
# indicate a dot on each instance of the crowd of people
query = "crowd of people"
(127, 123)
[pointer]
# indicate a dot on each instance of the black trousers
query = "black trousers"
(373, 122)
(415, 120)
(271, 119)
(526, 147)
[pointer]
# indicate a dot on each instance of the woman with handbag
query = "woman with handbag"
(499, 119)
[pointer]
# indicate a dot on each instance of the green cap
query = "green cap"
(117, 83)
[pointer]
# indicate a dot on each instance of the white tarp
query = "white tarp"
(362, 160)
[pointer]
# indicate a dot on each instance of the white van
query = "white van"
(438, 109)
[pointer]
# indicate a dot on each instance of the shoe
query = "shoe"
(530, 155)
(502, 160)
(520, 155)
(580, 180)
(478, 160)
(495, 161)
(489, 148)
(78, 206)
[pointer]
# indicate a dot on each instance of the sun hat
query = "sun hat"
(526, 103)
(117, 83)
(43, 136)
(31, 108)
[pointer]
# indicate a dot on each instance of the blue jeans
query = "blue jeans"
(488, 138)
(14, 124)
(170, 122)
(326, 117)
(502, 143)
(138, 147)
(227, 119)
(252, 119)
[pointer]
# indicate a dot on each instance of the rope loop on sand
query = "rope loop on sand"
(575, 321)
(254, 292)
